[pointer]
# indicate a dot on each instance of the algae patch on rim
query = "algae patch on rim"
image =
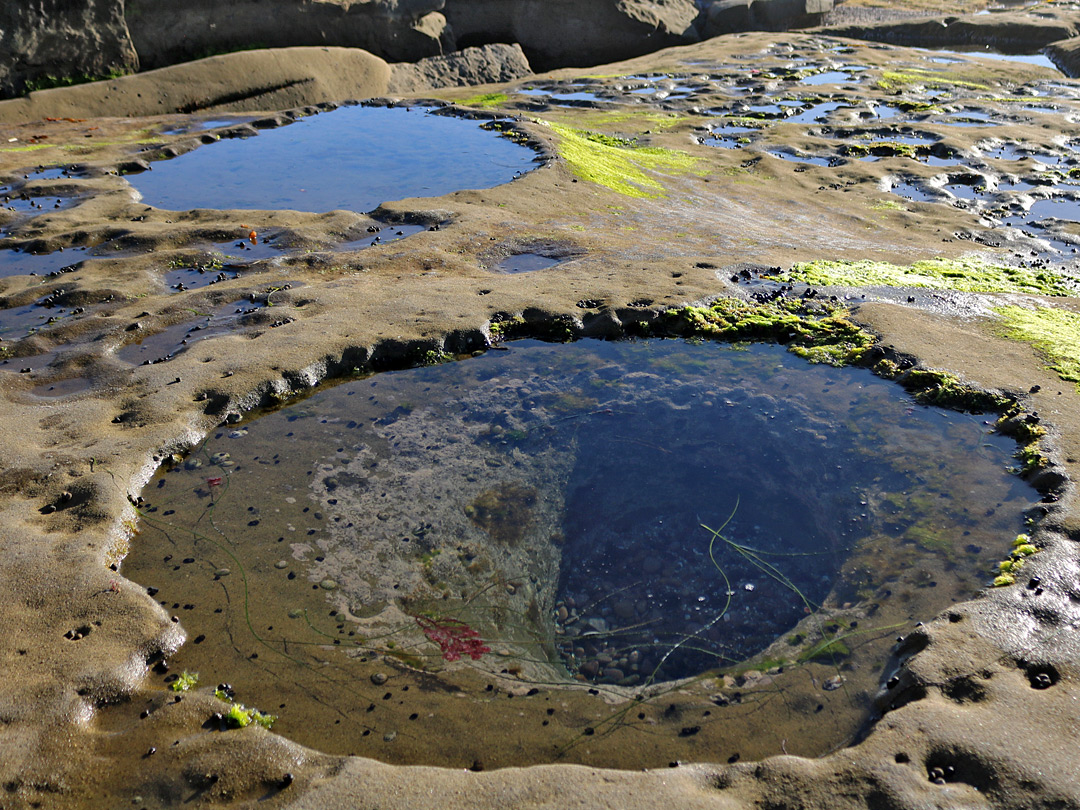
(1055, 333)
(962, 275)
(819, 333)
(617, 163)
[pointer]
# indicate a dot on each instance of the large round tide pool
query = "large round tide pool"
(614, 553)
(352, 158)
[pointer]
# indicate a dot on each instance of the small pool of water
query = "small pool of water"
(912, 190)
(489, 550)
(1042, 60)
(799, 158)
(828, 77)
(353, 158)
(527, 263)
(163, 346)
(15, 262)
(562, 95)
(383, 235)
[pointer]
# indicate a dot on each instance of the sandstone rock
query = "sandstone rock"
(55, 39)
(1012, 32)
(237, 82)
(483, 65)
(1066, 55)
(728, 16)
(397, 30)
(574, 33)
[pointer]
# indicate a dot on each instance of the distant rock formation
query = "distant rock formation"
(730, 16)
(165, 33)
(46, 42)
(574, 33)
(484, 65)
(1009, 32)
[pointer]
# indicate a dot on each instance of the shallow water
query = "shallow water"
(527, 263)
(552, 499)
(353, 158)
(19, 263)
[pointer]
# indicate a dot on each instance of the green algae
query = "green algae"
(486, 100)
(819, 333)
(618, 163)
(963, 275)
(1054, 333)
(898, 79)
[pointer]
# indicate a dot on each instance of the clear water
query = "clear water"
(828, 77)
(526, 263)
(353, 158)
(815, 113)
(1042, 60)
(552, 499)
(163, 346)
(796, 158)
(20, 263)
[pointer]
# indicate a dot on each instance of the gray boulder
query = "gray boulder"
(484, 65)
(729, 16)
(574, 33)
(46, 41)
(166, 33)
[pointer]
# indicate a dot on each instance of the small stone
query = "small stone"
(389, 736)
(328, 585)
(281, 564)
(222, 572)
(379, 678)
(296, 613)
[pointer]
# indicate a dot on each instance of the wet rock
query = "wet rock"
(613, 674)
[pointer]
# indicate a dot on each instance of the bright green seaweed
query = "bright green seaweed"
(1055, 333)
(617, 163)
(963, 275)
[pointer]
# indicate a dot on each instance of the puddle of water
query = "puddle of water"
(201, 126)
(969, 118)
(22, 203)
(792, 157)
(961, 191)
(462, 551)
(730, 137)
(526, 263)
(828, 77)
(911, 190)
(384, 235)
(353, 158)
(1042, 60)
(163, 346)
(562, 95)
(1057, 207)
(15, 262)
(61, 388)
(815, 113)
(17, 322)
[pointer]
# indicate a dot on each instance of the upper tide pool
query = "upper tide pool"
(353, 158)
